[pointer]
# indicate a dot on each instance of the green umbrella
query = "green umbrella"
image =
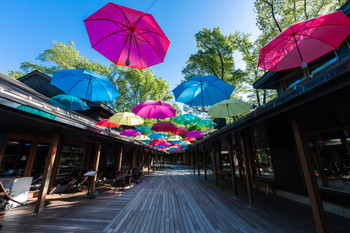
(36, 111)
(144, 129)
(187, 120)
(228, 108)
(205, 124)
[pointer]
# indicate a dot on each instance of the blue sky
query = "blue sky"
(29, 26)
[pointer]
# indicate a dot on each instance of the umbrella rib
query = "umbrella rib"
(126, 18)
(150, 31)
(88, 20)
(81, 79)
(121, 51)
(113, 33)
(138, 50)
(98, 81)
(152, 48)
(318, 40)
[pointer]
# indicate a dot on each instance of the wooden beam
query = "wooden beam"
(120, 158)
(248, 173)
(31, 158)
(3, 147)
(95, 167)
(215, 168)
(55, 164)
(205, 163)
(47, 173)
(232, 165)
(310, 179)
(198, 167)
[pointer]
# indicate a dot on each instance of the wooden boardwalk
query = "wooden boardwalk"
(168, 201)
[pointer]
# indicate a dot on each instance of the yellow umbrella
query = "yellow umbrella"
(141, 137)
(174, 138)
(126, 118)
(186, 143)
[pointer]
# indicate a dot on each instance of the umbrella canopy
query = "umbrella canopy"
(187, 120)
(36, 111)
(68, 102)
(164, 126)
(190, 139)
(176, 142)
(205, 124)
(228, 108)
(85, 84)
(107, 123)
(144, 129)
(174, 138)
(304, 42)
(142, 138)
(154, 110)
(203, 91)
(126, 118)
(186, 143)
(130, 133)
(179, 131)
(127, 37)
(158, 135)
(195, 134)
(157, 141)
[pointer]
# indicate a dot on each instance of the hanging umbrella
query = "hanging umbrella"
(186, 143)
(144, 129)
(304, 42)
(190, 139)
(107, 123)
(176, 142)
(36, 111)
(68, 102)
(157, 141)
(179, 131)
(126, 118)
(164, 126)
(228, 108)
(127, 37)
(203, 91)
(174, 138)
(85, 84)
(187, 120)
(205, 124)
(154, 110)
(158, 135)
(130, 133)
(195, 134)
(142, 138)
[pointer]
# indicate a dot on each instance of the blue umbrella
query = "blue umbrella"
(68, 102)
(203, 91)
(85, 84)
(158, 135)
(176, 142)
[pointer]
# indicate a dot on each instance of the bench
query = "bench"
(224, 174)
(268, 185)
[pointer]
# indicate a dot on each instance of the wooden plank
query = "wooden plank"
(310, 179)
(232, 165)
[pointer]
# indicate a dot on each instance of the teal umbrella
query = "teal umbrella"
(36, 111)
(144, 129)
(205, 124)
(68, 102)
(187, 120)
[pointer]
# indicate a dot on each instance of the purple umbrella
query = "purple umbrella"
(154, 110)
(126, 36)
(195, 134)
(130, 133)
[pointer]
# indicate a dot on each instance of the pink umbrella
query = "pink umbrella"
(179, 131)
(126, 36)
(154, 110)
(130, 133)
(195, 134)
(164, 126)
(190, 139)
(304, 42)
(164, 144)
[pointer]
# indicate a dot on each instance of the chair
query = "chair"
(120, 181)
(136, 173)
(4, 198)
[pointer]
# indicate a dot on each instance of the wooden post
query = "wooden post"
(214, 166)
(205, 164)
(47, 174)
(232, 165)
(55, 164)
(310, 179)
(134, 158)
(95, 168)
(120, 158)
(194, 164)
(3, 147)
(248, 174)
(198, 167)
(31, 158)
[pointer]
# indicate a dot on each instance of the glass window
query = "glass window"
(263, 163)
(15, 157)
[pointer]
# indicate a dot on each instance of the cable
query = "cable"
(151, 5)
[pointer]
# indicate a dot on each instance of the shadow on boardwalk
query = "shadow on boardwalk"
(171, 200)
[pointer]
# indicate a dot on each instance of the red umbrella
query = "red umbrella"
(126, 36)
(107, 123)
(179, 131)
(157, 141)
(189, 139)
(304, 42)
(154, 110)
(164, 126)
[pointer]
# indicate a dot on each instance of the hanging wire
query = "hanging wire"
(151, 5)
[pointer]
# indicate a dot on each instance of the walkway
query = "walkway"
(168, 201)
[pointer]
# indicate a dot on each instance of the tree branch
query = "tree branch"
(273, 14)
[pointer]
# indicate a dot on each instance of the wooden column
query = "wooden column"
(3, 147)
(31, 158)
(248, 174)
(194, 163)
(205, 163)
(55, 164)
(95, 167)
(134, 158)
(47, 174)
(120, 158)
(232, 165)
(310, 179)
(198, 167)
(215, 169)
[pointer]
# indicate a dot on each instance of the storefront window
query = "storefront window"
(15, 157)
(72, 158)
(263, 163)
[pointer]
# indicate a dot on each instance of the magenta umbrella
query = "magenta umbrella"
(195, 134)
(130, 133)
(154, 110)
(126, 36)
